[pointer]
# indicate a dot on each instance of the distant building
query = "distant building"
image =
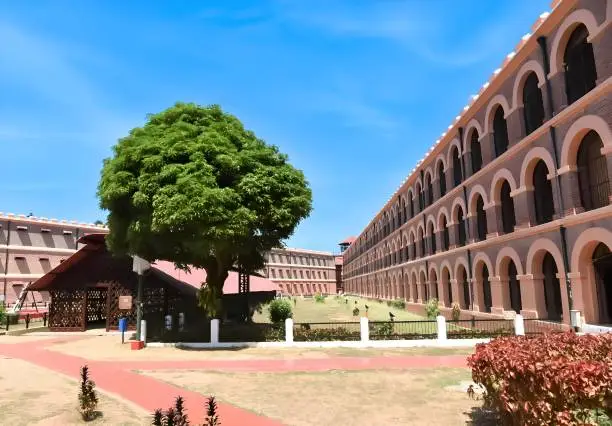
(31, 246)
(302, 272)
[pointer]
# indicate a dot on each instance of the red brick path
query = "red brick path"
(118, 378)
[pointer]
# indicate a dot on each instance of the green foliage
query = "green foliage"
(319, 298)
(308, 334)
(381, 329)
(456, 311)
(279, 310)
(397, 303)
(2, 313)
(194, 187)
(355, 311)
(432, 308)
(556, 378)
(88, 400)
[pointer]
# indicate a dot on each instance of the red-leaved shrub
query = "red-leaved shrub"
(550, 379)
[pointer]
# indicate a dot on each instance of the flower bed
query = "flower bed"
(560, 378)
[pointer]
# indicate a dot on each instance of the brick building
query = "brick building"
(510, 211)
(32, 246)
(301, 272)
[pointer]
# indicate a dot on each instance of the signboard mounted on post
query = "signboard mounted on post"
(125, 303)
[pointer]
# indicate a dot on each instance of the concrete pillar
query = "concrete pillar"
(453, 237)
(441, 324)
(436, 189)
(516, 126)
(478, 294)
(448, 174)
(532, 296)
(457, 296)
(289, 330)
(365, 329)
(557, 84)
(601, 51)
(486, 148)
(500, 295)
(467, 162)
(519, 325)
(558, 214)
(494, 220)
(524, 207)
(571, 191)
(214, 331)
(473, 226)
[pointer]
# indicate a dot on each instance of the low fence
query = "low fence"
(21, 321)
(214, 333)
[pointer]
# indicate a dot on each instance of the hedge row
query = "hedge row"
(560, 379)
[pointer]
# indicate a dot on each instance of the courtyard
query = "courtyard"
(253, 386)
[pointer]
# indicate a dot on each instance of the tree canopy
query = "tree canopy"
(194, 187)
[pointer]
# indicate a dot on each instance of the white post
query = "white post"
(143, 332)
(289, 330)
(576, 320)
(214, 331)
(365, 329)
(519, 325)
(441, 327)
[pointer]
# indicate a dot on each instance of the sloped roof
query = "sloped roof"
(349, 240)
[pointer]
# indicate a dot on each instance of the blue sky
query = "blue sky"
(354, 91)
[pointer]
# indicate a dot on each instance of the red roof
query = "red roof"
(339, 260)
(349, 240)
(195, 277)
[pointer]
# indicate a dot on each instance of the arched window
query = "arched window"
(425, 287)
(410, 207)
(421, 238)
(500, 132)
(442, 179)
(404, 212)
(428, 190)
(593, 173)
(412, 252)
(579, 63)
(552, 288)
(461, 227)
(602, 263)
(433, 281)
(481, 219)
(457, 177)
(445, 235)
(476, 153)
(432, 238)
(507, 209)
(533, 105)
(486, 289)
(515, 289)
(542, 194)
(419, 194)
(463, 282)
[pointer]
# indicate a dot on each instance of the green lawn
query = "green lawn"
(335, 310)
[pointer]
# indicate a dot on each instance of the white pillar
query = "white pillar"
(576, 320)
(289, 330)
(143, 331)
(519, 325)
(441, 327)
(365, 329)
(214, 331)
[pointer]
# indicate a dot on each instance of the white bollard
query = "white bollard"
(143, 331)
(519, 325)
(576, 320)
(214, 331)
(441, 327)
(364, 324)
(289, 330)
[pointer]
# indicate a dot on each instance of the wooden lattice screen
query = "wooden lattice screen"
(115, 290)
(67, 310)
(96, 305)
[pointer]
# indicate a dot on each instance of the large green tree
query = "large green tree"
(194, 187)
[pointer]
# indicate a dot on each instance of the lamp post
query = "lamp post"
(140, 266)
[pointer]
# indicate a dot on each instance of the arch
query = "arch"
(445, 277)
(433, 268)
(432, 219)
(577, 131)
(476, 190)
(496, 100)
(519, 81)
(428, 187)
(565, 30)
(461, 261)
(587, 241)
(457, 202)
(529, 162)
(508, 253)
(473, 125)
(536, 253)
(442, 213)
(498, 179)
(446, 264)
(439, 158)
(481, 257)
(454, 144)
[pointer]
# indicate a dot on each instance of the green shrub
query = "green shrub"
(2, 313)
(355, 311)
(432, 308)
(382, 329)
(307, 334)
(398, 304)
(456, 312)
(212, 418)
(319, 298)
(88, 400)
(279, 310)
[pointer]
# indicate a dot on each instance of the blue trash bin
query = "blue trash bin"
(123, 324)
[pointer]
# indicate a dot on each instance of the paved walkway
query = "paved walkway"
(117, 377)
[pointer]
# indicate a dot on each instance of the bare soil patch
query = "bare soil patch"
(407, 397)
(32, 395)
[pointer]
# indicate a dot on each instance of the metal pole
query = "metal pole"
(6, 257)
(139, 305)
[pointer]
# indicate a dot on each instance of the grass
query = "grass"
(32, 395)
(340, 398)
(337, 310)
